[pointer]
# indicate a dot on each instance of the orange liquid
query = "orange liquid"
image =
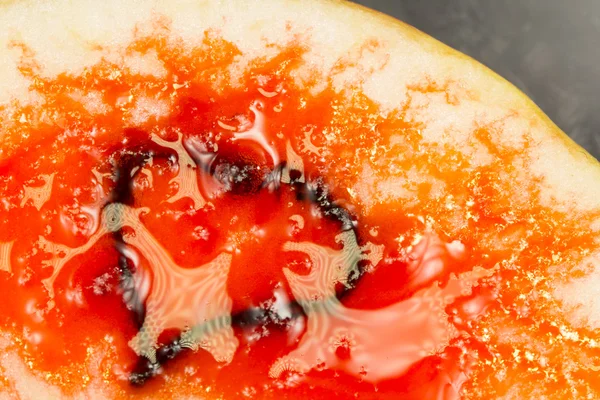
(225, 247)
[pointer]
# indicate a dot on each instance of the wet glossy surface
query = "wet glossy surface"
(211, 239)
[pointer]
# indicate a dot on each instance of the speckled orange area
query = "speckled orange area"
(506, 331)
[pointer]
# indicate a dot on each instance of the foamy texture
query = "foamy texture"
(24, 382)
(376, 344)
(145, 109)
(581, 296)
(38, 195)
(67, 37)
(5, 250)
(92, 101)
(186, 179)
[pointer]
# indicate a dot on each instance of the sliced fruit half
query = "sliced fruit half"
(282, 199)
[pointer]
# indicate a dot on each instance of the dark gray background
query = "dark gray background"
(550, 49)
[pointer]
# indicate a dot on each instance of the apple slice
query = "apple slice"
(282, 199)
